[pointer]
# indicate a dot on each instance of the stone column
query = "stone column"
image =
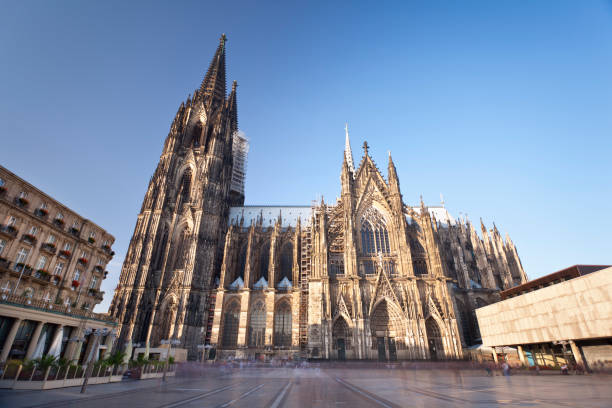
(34, 340)
(495, 356)
(243, 318)
(577, 355)
(8, 343)
(110, 339)
(56, 334)
(269, 333)
(521, 355)
(73, 348)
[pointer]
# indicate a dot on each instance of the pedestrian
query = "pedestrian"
(506, 369)
(564, 370)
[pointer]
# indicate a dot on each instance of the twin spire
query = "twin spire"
(213, 84)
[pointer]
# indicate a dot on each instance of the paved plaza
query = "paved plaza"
(331, 387)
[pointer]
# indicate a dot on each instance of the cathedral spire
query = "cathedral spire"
(348, 154)
(392, 174)
(233, 108)
(213, 85)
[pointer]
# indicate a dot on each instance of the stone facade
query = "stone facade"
(52, 263)
(366, 277)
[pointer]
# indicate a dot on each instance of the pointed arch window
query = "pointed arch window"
(282, 325)
(230, 326)
(186, 186)
(374, 234)
(257, 326)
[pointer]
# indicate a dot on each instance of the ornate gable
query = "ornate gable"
(382, 289)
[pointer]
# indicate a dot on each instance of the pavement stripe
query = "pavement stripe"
(280, 396)
(367, 394)
(197, 397)
(252, 390)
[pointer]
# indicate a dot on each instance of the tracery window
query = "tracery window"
(230, 326)
(282, 325)
(257, 326)
(374, 234)
(186, 186)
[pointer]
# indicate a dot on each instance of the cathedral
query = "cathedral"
(364, 277)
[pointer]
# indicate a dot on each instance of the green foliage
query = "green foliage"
(62, 362)
(44, 362)
(139, 362)
(29, 364)
(116, 359)
(170, 360)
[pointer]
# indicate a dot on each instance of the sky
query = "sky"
(503, 107)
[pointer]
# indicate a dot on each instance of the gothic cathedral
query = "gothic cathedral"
(365, 277)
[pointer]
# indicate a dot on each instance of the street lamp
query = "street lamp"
(170, 342)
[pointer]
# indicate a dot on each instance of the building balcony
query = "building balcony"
(64, 254)
(22, 202)
(42, 274)
(91, 240)
(28, 239)
(49, 248)
(4, 263)
(23, 269)
(8, 231)
(98, 269)
(2, 191)
(83, 261)
(108, 250)
(74, 231)
(41, 213)
(46, 306)
(59, 223)
(95, 293)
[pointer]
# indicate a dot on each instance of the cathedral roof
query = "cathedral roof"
(269, 214)
(440, 213)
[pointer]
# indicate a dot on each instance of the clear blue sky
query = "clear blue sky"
(505, 107)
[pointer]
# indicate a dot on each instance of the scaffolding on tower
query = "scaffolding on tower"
(240, 152)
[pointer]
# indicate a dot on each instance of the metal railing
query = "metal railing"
(48, 306)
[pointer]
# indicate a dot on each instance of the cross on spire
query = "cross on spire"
(365, 148)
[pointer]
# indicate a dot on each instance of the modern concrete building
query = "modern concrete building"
(52, 262)
(564, 317)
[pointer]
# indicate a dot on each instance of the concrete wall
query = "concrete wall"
(579, 308)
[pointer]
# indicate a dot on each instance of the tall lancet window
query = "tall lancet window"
(374, 234)
(186, 186)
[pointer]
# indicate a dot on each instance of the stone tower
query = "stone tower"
(178, 239)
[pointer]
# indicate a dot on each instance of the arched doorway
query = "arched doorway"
(230, 326)
(386, 326)
(434, 338)
(341, 337)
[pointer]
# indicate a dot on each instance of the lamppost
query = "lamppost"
(94, 349)
(170, 342)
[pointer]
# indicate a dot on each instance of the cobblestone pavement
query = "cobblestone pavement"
(331, 387)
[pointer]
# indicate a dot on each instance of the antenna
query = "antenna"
(442, 200)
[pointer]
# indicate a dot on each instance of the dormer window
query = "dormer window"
(33, 231)
(23, 194)
(59, 216)
(2, 182)
(44, 206)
